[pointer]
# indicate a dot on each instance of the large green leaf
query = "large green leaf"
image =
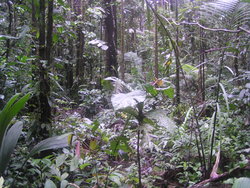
(9, 144)
(55, 142)
(9, 112)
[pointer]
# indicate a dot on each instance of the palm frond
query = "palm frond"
(230, 13)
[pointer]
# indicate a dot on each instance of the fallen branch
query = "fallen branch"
(234, 173)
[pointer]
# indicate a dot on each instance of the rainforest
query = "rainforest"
(124, 93)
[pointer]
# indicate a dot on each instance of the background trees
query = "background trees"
(189, 59)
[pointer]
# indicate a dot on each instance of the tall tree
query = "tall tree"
(49, 32)
(10, 9)
(110, 36)
(156, 66)
(44, 86)
(122, 66)
(177, 71)
(80, 41)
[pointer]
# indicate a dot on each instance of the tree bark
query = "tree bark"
(156, 66)
(110, 35)
(45, 109)
(202, 68)
(177, 71)
(122, 67)
(49, 44)
(9, 3)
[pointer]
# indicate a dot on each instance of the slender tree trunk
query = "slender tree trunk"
(69, 73)
(45, 109)
(80, 45)
(236, 56)
(177, 74)
(122, 67)
(156, 66)
(202, 68)
(9, 3)
(49, 44)
(110, 35)
(171, 3)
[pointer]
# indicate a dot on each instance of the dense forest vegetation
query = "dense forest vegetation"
(124, 93)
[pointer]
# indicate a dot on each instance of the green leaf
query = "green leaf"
(55, 142)
(60, 160)
(9, 144)
(60, 29)
(130, 111)
(55, 38)
(74, 163)
(189, 68)
(1, 182)
(245, 1)
(151, 90)
(64, 176)
(119, 143)
(95, 127)
(93, 144)
(64, 184)
(169, 92)
(243, 182)
(224, 95)
(84, 165)
(9, 112)
(115, 179)
(49, 184)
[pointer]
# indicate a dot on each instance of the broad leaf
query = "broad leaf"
(9, 144)
(124, 100)
(55, 142)
(152, 90)
(169, 92)
(49, 184)
(9, 112)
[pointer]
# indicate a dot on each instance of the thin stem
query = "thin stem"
(216, 110)
(138, 156)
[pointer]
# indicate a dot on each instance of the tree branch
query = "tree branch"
(241, 29)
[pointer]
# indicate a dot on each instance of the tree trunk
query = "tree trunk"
(156, 66)
(202, 68)
(49, 44)
(45, 109)
(111, 54)
(9, 3)
(177, 74)
(122, 67)
(80, 45)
